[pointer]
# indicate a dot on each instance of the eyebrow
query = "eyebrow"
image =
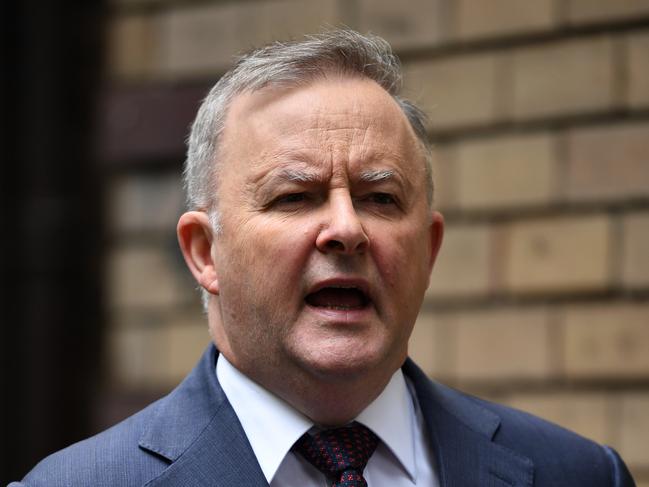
(301, 176)
(297, 176)
(373, 176)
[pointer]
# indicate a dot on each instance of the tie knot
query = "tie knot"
(340, 453)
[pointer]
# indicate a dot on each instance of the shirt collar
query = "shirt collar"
(273, 426)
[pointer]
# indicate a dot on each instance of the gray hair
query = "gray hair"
(285, 64)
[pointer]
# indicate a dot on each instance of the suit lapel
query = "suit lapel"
(462, 432)
(196, 429)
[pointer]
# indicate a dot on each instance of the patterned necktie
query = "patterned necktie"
(340, 453)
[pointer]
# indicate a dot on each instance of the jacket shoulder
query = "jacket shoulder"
(557, 457)
(110, 458)
(560, 456)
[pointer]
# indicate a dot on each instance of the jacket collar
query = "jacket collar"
(196, 429)
(462, 433)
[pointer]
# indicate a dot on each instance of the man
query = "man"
(312, 235)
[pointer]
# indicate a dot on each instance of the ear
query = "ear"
(195, 237)
(436, 236)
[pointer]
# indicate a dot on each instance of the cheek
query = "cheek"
(275, 251)
(402, 256)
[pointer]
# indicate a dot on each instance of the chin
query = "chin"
(350, 361)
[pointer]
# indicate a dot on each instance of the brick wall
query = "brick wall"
(540, 120)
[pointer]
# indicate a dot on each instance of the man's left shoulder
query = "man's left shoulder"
(559, 456)
(556, 451)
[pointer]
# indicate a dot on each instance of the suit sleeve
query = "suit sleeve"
(620, 472)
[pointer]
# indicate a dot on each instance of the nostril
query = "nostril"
(335, 245)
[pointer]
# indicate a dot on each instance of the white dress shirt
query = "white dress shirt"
(402, 458)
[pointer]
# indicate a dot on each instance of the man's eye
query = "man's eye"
(382, 198)
(291, 198)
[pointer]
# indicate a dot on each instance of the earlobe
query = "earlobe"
(195, 236)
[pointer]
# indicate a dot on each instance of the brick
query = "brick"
(563, 78)
(638, 70)
(558, 255)
(476, 18)
(606, 341)
(609, 162)
(187, 337)
(503, 345)
(262, 22)
(204, 39)
(605, 10)
(462, 267)
(456, 91)
(510, 171)
(132, 46)
(635, 430)
(141, 123)
(198, 40)
(145, 203)
(588, 414)
(423, 23)
(444, 176)
(432, 344)
(135, 354)
(148, 276)
(635, 266)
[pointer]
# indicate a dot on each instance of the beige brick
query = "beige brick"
(587, 414)
(198, 40)
(563, 78)
(606, 10)
(506, 171)
(148, 277)
(135, 356)
(261, 22)
(635, 267)
(638, 70)
(444, 177)
(503, 345)
(462, 267)
(132, 46)
(608, 162)
(477, 18)
(203, 39)
(145, 203)
(635, 430)
(558, 255)
(606, 341)
(456, 91)
(423, 23)
(187, 338)
(432, 344)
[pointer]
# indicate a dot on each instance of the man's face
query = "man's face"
(327, 239)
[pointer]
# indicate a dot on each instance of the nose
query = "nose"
(342, 231)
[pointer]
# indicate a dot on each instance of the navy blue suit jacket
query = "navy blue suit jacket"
(192, 437)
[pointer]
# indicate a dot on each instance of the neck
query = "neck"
(328, 401)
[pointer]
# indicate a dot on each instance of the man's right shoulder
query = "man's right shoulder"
(112, 457)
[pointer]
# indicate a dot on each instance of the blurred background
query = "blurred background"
(540, 121)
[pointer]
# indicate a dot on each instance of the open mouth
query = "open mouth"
(338, 298)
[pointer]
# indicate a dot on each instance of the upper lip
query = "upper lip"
(343, 282)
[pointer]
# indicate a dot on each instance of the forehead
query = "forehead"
(348, 120)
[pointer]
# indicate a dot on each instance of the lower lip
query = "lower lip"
(350, 316)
